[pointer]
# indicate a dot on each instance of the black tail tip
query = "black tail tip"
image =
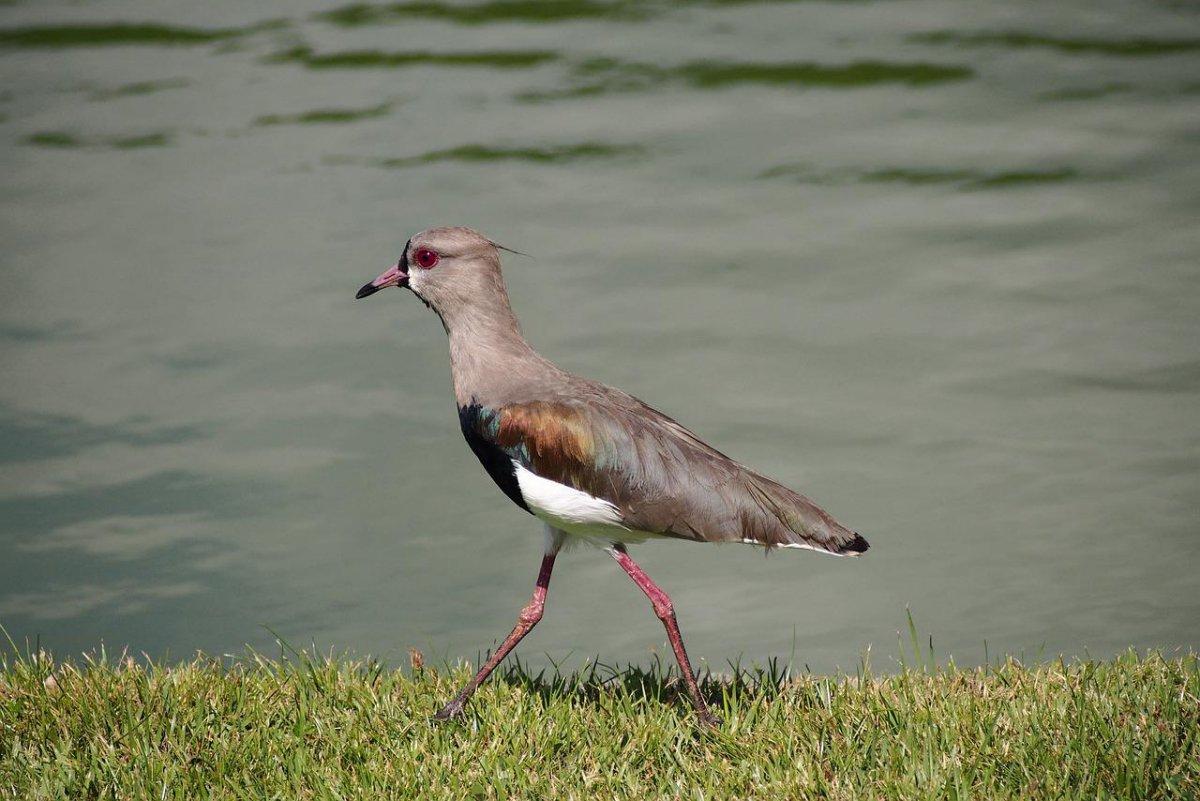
(857, 547)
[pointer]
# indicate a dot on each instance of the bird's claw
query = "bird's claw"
(451, 711)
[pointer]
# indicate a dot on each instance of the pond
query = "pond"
(934, 264)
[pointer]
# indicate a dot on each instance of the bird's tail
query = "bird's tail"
(794, 521)
(856, 547)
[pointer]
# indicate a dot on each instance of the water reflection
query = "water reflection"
(322, 116)
(606, 76)
(26, 436)
(963, 179)
(1134, 47)
(119, 34)
(472, 154)
(496, 11)
(67, 140)
(138, 88)
(370, 59)
(934, 270)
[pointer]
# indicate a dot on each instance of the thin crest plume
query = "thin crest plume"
(498, 246)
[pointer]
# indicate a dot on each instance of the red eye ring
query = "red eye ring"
(425, 258)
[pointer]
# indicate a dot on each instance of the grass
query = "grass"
(317, 728)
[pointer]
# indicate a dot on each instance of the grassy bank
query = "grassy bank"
(1127, 728)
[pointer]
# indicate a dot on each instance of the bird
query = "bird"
(595, 464)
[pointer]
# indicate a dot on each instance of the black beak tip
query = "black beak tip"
(367, 289)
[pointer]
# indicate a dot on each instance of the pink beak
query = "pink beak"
(394, 276)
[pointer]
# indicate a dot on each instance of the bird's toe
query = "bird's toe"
(451, 711)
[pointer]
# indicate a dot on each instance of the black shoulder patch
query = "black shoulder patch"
(494, 460)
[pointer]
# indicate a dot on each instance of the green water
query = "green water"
(936, 264)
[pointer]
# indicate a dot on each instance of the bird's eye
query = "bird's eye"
(426, 258)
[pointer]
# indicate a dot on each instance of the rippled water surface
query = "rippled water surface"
(933, 263)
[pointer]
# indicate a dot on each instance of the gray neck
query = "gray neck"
(490, 360)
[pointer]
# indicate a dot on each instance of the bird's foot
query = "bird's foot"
(451, 711)
(708, 720)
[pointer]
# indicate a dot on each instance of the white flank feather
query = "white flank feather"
(799, 545)
(564, 507)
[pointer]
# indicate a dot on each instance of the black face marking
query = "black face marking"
(494, 460)
(404, 268)
(404, 256)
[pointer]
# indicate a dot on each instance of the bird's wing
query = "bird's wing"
(661, 478)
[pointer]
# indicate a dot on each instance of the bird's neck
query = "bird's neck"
(489, 356)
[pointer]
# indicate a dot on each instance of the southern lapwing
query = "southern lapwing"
(595, 464)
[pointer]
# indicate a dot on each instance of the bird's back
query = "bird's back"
(658, 477)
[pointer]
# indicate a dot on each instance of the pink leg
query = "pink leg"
(528, 618)
(666, 613)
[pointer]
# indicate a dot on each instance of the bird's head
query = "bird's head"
(448, 268)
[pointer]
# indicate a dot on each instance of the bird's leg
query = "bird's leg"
(528, 618)
(665, 610)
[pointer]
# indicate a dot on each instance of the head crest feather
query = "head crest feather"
(498, 246)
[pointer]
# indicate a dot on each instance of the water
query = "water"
(932, 263)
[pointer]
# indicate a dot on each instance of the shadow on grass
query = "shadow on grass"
(658, 682)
